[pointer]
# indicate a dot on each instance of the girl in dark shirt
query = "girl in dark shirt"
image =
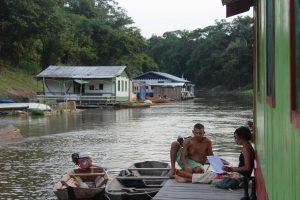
(242, 137)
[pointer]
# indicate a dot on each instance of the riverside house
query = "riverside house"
(159, 84)
(86, 85)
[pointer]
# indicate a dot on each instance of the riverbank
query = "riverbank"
(22, 87)
(213, 91)
(18, 85)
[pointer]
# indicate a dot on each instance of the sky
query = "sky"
(159, 16)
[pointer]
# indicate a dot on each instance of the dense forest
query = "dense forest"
(217, 55)
(37, 33)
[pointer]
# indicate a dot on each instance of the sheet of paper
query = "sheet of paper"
(216, 164)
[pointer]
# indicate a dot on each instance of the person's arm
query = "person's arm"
(246, 167)
(184, 154)
(209, 150)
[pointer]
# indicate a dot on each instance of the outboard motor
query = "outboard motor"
(83, 160)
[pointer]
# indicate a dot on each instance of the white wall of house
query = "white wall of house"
(122, 87)
(103, 88)
(153, 81)
(150, 82)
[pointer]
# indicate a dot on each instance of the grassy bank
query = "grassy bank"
(18, 85)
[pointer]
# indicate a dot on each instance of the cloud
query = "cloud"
(159, 16)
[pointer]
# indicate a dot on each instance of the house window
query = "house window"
(152, 87)
(92, 87)
(101, 86)
(125, 86)
(295, 61)
(119, 85)
(122, 85)
(270, 53)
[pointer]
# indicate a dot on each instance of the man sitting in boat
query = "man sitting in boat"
(192, 154)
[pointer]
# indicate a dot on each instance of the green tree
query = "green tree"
(219, 54)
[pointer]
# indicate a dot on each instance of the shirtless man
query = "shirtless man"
(192, 156)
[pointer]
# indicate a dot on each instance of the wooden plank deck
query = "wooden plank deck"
(185, 191)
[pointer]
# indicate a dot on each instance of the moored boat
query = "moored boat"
(141, 181)
(81, 183)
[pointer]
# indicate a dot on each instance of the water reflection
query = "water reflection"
(117, 138)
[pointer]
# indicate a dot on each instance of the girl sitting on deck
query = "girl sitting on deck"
(242, 137)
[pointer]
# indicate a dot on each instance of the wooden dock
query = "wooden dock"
(190, 191)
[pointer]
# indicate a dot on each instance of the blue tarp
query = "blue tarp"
(6, 101)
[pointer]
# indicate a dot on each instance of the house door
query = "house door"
(77, 87)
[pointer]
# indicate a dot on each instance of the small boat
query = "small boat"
(141, 181)
(81, 184)
(22, 106)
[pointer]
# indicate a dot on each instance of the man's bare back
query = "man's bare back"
(199, 148)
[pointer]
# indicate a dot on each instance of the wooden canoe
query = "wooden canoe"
(81, 184)
(141, 181)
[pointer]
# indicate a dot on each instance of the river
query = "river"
(115, 137)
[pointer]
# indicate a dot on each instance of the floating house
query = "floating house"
(90, 85)
(276, 107)
(160, 85)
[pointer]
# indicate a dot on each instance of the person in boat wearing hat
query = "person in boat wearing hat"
(192, 154)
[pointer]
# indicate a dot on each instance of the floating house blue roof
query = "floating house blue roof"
(160, 75)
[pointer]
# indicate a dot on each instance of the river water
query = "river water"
(115, 137)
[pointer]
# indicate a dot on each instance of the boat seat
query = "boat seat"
(100, 181)
(134, 189)
(139, 181)
(143, 177)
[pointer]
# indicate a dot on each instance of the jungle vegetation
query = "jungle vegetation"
(37, 33)
(217, 55)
